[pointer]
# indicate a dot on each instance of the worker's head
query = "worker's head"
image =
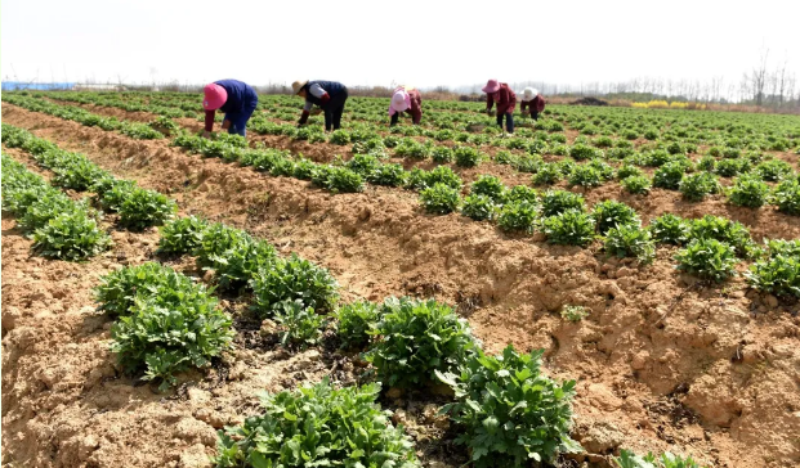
(529, 94)
(299, 88)
(400, 101)
(492, 86)
(214, 96)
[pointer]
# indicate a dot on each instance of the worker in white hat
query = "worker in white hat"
(531, 98)
(406, 99)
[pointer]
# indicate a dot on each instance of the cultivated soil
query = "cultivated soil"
(662, 362)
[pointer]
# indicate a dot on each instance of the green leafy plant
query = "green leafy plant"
(442, 154)
(748, 191)
(466, 156)
(695, 187)
(521, 193)
(510, 412)
(391, 175)
(570, 227)
(518, 216)
(440, 199)
(778, 272)
(144, 208)
(670, 229)
(574, 313)
(301, 327)
(317, 426)
(181, 236)
(585, 175)
(291, 279)
(628, 170)
(118, 290)
(581, 151)
(669, 176)
(491, 186)
(415, 338)
(547, 174)
(71, 235)
(340, 137)
(559, 201)
(628, 459)
(708, 259)
(732, 167)
(733, 233)
(611, 213)
(630, 240)
(787, 197)
(637, 185)
(773, 170)
(478, 207)
(354, 322)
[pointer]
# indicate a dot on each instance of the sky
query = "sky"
(377, 43)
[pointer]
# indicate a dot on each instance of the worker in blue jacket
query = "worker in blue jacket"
(329, 95)
(236, 99)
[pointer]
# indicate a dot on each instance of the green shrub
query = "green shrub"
(48, 206)
(144, 208)
(363, 164)
(748, 191)
(611, 213)
(167, 331)
(300, 326)
(478, 207)
(344, 180)
(707, 163)
(236, 266)
(466, 156)
(521, 193)
(669, 176)
(651, 134)
(732, 233)
(354, 321)
(708, 259)
(318, 426)
(510, 412)
(340, 137)
(419, 179)
(630, 240)
(581, 151)
(731, 153)
(773, 170)
(181, 236)
(547, 174)
(290, 279)
(732, 167)
(675, 148)
(414, 339)
(70, 235)
(603, 142)
(77, 173)
(391, 175)
(571, 227)
(695, 187)
(628, 170)
(778, 272)
(638, 185)
(491, 186)
(585, 176)
(559, 201)
(440, 199)
(413, 149)
(787, 197)
(442, 154)
(670, 229)
(517, 216)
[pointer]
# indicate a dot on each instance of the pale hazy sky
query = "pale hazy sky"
(425, 43)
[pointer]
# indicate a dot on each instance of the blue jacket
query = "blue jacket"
(241, 97)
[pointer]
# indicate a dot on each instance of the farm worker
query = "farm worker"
(236, 99)
(506, 102)
(531, 98)
(329, 95)
(406, 99)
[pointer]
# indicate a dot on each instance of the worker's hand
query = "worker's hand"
(489, 111)
(226, 124)
(206, 134)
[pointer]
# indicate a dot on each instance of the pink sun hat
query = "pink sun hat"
(215, 96)
(491, 87)
(401, 101)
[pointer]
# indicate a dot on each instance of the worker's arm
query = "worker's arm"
(395, 117)
(319, 93)
(210, 120)
(489, 103)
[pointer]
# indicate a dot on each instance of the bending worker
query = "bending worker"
(406, 99)
(506, 102)
(236, 99)
(329, 95)
(531, 98)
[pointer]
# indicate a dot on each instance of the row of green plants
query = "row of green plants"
(60, 227)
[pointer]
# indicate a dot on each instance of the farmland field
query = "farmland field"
(651, 254)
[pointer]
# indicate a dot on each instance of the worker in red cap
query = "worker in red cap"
(236, 99)
(506, 102)
(406, 99)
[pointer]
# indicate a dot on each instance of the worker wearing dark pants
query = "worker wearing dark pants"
(328, 95)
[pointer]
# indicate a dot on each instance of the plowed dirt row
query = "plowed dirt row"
(700, 370)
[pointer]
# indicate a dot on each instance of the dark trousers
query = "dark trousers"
(334, 110)
(534, 114)
(509, 121)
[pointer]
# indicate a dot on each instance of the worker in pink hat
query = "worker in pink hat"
(406, 99)
(506, 100)
(236, 99)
